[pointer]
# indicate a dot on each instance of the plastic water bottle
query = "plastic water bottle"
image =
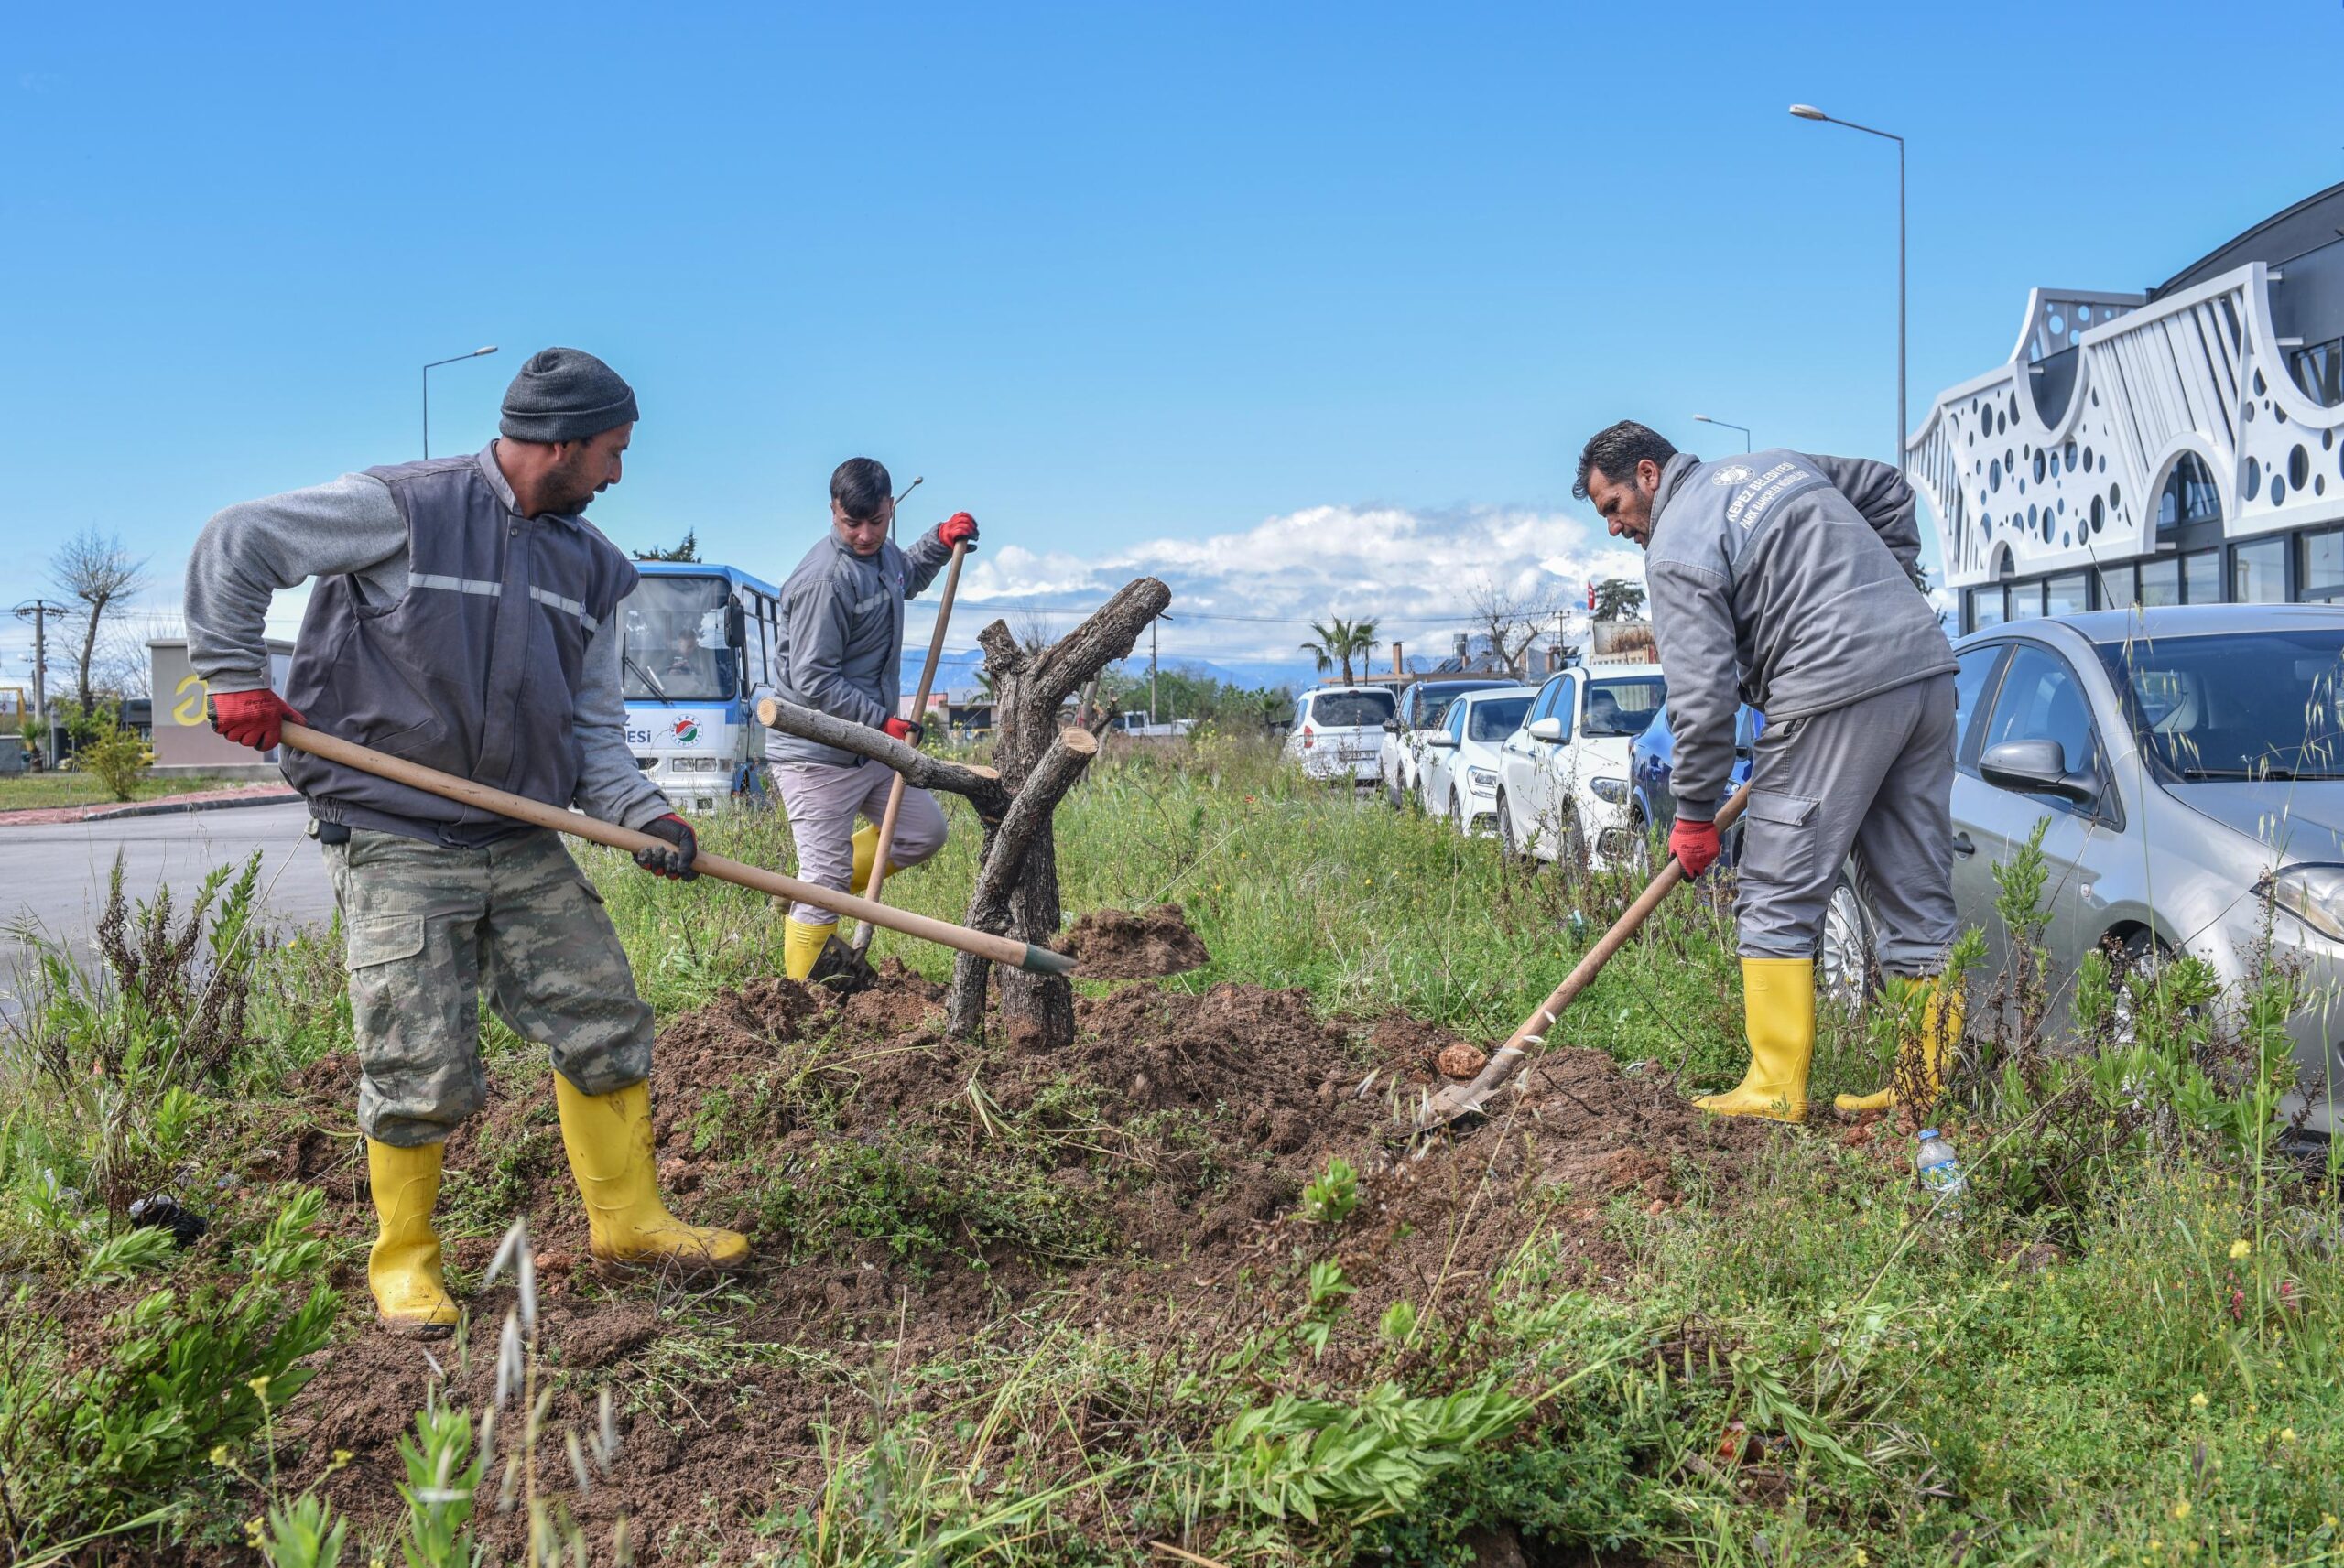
(1940, 1171)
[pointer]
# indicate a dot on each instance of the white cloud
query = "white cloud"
(1412, 571)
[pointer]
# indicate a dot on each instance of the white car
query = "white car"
(1563, 777)
(1399, 763)
(1461, 767)
(1338, 731)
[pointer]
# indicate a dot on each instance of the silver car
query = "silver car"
(2190, 761)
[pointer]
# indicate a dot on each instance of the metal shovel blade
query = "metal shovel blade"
(840, 968)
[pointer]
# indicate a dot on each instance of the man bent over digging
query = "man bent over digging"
(462, 619)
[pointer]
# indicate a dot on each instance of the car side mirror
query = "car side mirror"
(1391, 727)
(1441, 738)
(736, 624)
(2035, 767)
(1549, 730)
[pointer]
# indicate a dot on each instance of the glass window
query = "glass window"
(1351, 709)
(2201, 578)
(1433, 700)
(2068, 595)
(1549, 695)
(2231, 705)
(1494, 717)
(2039, 699)
(2321, 560)
(1625, 705)
(2118, 588)
(2161, 582)
(2190, 495)
(672, 645)
(2026, 601)
(1969, 682)
(2259, 572)
(1985, 608)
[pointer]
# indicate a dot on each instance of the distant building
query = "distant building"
(2181, 446)
(182, 736)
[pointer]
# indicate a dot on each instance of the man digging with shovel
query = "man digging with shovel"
(841, 651)
(1789, 581)
(462, 618)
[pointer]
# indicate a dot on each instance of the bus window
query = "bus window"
(672, 641)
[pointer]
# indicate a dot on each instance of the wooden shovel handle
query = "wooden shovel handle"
(920, 708)
(414, 775)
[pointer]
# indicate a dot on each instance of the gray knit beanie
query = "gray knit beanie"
(565, 395)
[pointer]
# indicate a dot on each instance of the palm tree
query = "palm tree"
(1339, 641)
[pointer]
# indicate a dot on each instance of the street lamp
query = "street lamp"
(1809, 112)
(1705, 419)
(435, 365)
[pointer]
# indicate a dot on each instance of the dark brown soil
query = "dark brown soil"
(1179, 1129)
(1121, 945)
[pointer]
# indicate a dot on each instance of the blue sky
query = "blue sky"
(1304, 307)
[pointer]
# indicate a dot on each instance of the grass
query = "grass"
(30, 791)
(2127, 1349)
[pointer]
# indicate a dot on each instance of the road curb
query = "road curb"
(39, 816)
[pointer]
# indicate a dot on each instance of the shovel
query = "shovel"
(984, 945)
(1461, 1100)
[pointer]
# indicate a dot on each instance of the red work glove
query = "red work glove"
(1695, 844)
(254, 718)
(904, 729)
(958, 529)
(676, 864)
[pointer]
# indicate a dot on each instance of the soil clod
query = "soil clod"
(1121, 945)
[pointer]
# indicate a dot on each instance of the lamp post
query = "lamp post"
(435, 365)
(1727, 424)
(1809, 112)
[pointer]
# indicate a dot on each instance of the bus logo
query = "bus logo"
(687, 732)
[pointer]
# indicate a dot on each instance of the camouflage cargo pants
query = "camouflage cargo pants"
(429, 927)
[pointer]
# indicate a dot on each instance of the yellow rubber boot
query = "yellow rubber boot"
(403, 1267)
(866, 853)
(1940, 1029)
(1778, 1002)
(802, 943)
(608, 1138)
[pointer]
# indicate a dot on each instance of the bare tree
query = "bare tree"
(95, 569)
(1511, 618)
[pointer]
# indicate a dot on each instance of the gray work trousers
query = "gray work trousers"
(822, 800)
(1875, 778)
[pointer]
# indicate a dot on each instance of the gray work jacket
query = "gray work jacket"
(843, 636)
(1786, 582)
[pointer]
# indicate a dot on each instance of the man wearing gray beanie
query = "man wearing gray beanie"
(465, 617)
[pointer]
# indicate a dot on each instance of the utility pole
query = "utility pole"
(1151, 673)
(37, 612)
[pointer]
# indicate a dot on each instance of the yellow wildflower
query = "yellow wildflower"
(2181, 1508)
(258, 1385)
(218, 1454)
(2286, 1434)
(2198, 1402)
(2241, 1248)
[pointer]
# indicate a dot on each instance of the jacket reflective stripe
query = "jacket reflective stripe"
(557, 602)
(454, 584)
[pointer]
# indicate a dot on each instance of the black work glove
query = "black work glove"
(675, 862)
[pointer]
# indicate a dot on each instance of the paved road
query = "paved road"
(55, 877)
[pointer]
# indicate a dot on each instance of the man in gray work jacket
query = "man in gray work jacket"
(841, 647)
(1789, 581)
(462, 619)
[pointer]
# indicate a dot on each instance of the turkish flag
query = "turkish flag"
(1591, 596)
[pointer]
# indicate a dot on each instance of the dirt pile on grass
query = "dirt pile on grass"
(1126, 945)
(905, 1188)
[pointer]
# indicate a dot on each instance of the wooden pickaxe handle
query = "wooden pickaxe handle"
(920, 708)
(414, 775)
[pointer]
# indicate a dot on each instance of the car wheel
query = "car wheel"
(1456, 811)
(2141, 957)
(1510, 837)
(1844, 954)
(1392, 791)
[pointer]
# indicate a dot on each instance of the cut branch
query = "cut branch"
(981, 787)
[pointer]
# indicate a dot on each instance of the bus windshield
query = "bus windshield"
(671, 644)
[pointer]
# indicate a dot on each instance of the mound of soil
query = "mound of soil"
(912, 1196)
(1120, 945)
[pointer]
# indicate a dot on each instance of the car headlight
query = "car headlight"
(2313, 894)
(1608, 788)
(1484, 779)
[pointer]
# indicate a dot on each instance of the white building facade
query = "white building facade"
(2180, 446)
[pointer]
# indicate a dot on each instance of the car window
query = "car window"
(1545, 707)
(1968, 684)
(1625, 705)
(1351, 709)
(1497, 717)
(2040, 699)
(1456, 725)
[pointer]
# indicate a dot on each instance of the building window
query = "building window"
(2189, 496)
(2201, 578)
(2068, 595)
(2118, 590)
(2320, 371)
(2026, 601)
(1985, 608)
(2322, 564)
(2159, 582)
(2259, 572)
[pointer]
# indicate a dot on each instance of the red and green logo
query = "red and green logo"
(687, 732)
